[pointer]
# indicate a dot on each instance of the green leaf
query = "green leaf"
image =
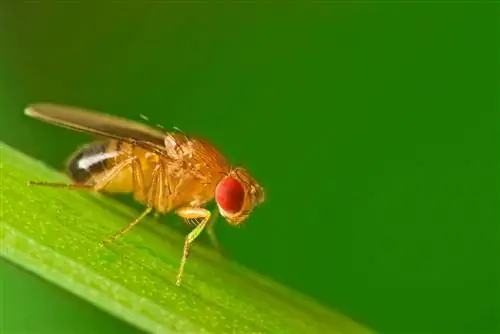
(55, 234)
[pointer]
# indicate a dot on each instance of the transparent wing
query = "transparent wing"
(93, 122)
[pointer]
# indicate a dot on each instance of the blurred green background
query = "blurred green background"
(371, 126)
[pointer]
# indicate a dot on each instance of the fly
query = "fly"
(164, 171)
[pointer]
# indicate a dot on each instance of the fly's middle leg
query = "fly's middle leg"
(155, 192)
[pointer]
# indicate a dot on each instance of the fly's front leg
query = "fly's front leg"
(211, 222)
(211, 231)
(191, 213)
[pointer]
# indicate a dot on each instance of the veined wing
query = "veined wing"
(84, 120)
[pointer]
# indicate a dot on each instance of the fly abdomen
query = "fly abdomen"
(91, 160)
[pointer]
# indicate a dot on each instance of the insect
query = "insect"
(165, 171)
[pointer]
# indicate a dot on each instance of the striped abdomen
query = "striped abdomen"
(92, 160)
(92, 164)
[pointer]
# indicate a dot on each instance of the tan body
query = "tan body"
(164, 183)
(165, 171)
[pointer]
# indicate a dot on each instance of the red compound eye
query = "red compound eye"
(230, 195)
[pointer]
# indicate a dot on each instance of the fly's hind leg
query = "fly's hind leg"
(154, 194)
(101, 184)
(137, 178)
(78, 186)
(191, 213)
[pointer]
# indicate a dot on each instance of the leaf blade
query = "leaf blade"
(54, 233)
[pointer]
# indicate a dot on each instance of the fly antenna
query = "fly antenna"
(242, 178)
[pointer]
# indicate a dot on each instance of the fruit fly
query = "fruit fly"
(164, 171)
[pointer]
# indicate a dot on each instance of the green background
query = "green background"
(373, 128)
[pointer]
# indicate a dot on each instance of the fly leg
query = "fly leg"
(126, 229)
(191, 213)
(102, 183)
(155, 191)
(211, 231)
(138, 181)
(210, 223)
(173, 190)
(78, 186)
